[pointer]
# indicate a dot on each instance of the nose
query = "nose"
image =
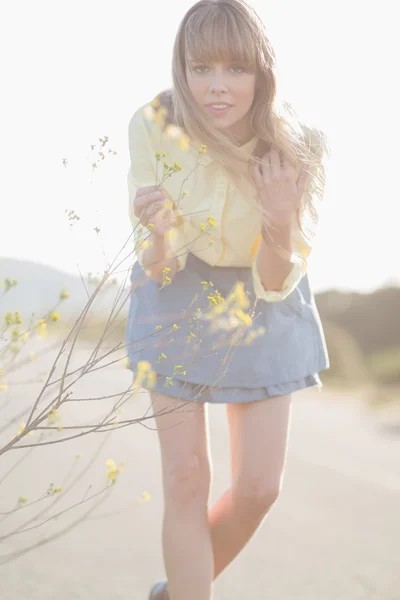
(217, 85)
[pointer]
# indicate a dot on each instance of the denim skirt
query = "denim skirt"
(266, 349)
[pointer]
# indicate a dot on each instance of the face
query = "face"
(225, 92)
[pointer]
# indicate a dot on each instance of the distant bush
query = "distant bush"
(384, 366)
(347, 364)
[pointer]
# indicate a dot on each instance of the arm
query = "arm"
(280, 259)
(154, 252)
(154, 258)
(273, 268)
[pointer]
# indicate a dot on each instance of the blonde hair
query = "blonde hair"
(220, 30)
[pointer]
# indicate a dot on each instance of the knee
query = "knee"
(255, 497)
(187, 481)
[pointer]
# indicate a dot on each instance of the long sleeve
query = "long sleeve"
(300, 253)
(301, 245)
(142, 173)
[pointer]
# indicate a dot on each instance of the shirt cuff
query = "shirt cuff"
(290, 283)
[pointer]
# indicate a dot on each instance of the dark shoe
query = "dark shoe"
(159, 590)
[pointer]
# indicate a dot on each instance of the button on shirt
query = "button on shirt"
(216, 223)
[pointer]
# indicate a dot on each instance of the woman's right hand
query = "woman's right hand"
(149, 207)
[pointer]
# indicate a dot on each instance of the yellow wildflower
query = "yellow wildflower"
(168, 205)
(250, 337)
(42, 326)
(171, 234)
(216, 298)
(203, 149)
(151, 379)
(177, 166)
(211, 221)
(184, 142)
(144, 366)
(113, 470)
(64, 295)
(239, 295)
(145, 496)
(54, 316)
(21, 429)
(3, 386)
(53, 416)
(244, 317)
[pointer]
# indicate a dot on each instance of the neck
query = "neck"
(241, 131)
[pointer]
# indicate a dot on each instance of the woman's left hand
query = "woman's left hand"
(280, 187)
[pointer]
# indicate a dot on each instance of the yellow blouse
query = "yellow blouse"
(216, 223)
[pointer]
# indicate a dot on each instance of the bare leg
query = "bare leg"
(186, 538)
(258, 435)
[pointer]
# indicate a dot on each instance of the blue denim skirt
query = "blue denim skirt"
(193, 357)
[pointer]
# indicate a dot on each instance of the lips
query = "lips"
(218, 105)
(219, 108)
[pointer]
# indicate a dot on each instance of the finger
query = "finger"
(142, 201)
(288, 168)
(142, 191)
(266, 168)
(151, 211)
(257, 175)
(152, 197)
(275, 164)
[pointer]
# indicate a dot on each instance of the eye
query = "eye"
(198, 69)
(240, 69)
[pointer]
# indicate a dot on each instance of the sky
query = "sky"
(76, 72)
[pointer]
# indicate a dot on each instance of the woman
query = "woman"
(224, 188)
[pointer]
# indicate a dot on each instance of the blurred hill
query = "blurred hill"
(372, 319)
(39, 287)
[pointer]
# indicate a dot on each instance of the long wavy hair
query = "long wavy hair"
(231, 30)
